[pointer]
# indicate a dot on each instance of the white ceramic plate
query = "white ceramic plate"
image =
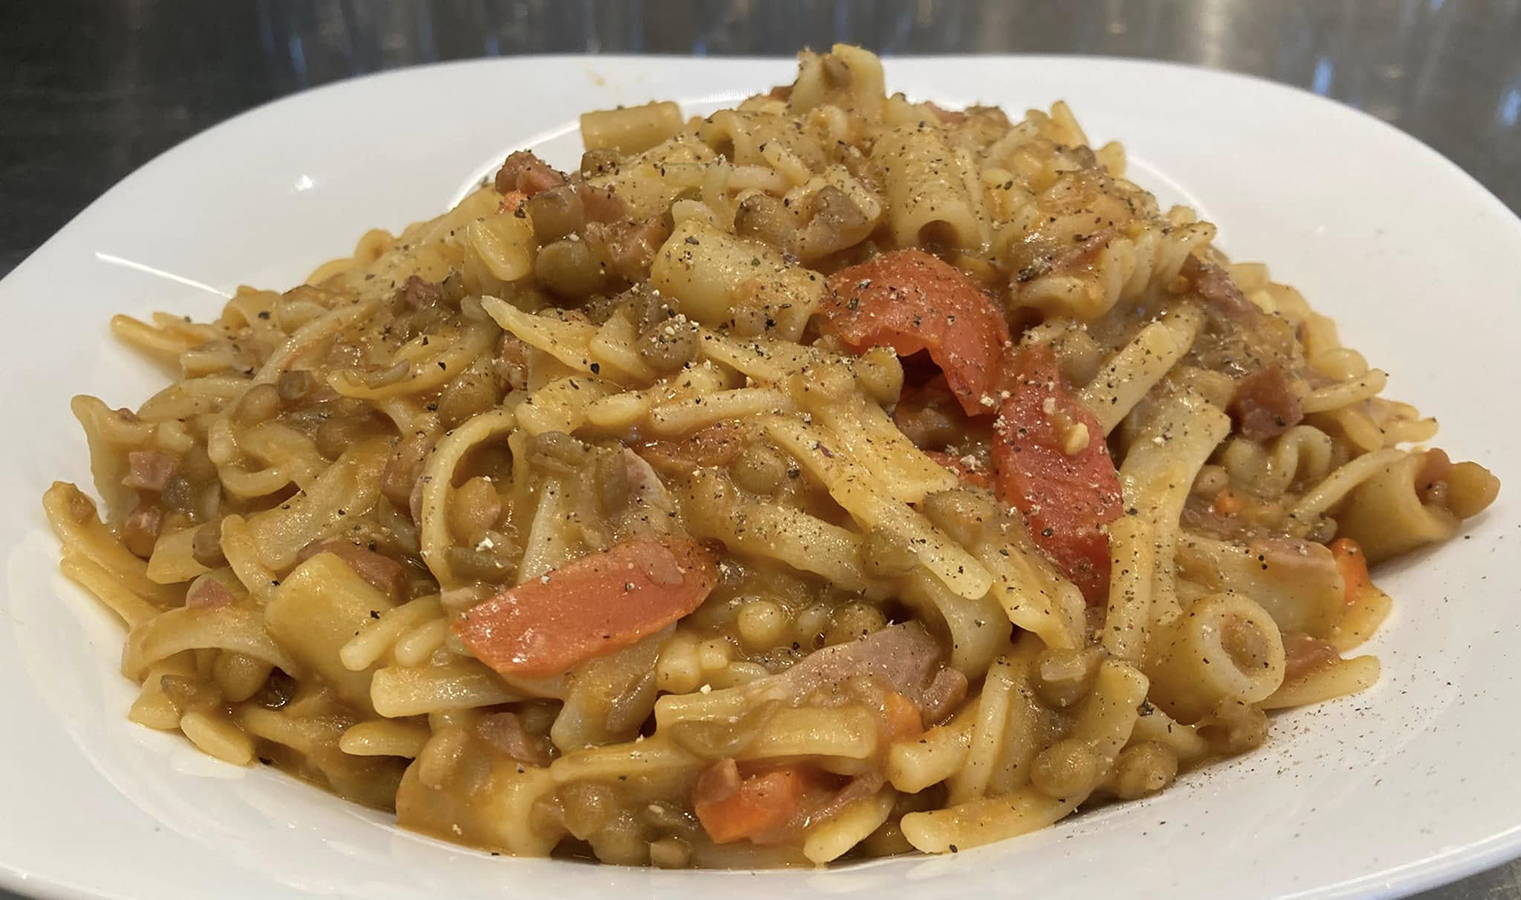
(1407, 785)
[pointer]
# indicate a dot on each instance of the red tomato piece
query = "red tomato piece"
(589, 607)
(1065, 497)
(758, 807)
(911, 301)
(901, 719)
(511, 201)
(1353, 566)
(715, 445)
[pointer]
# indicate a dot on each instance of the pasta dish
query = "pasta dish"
(833, 476)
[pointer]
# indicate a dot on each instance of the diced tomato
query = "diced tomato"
(511, 201)
(589, 607)
(973, 477)
(901, 718)
(1066, 498)
(1228, 503)
(911, 301)
(1303, 654)
(716, 445)
(758, 807)
(1353, 566)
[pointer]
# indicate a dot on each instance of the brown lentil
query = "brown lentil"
(295, 384)
(1144, 769)
(886, 554)
(557, 451)
(260, 404)
(465, 397)
(556, 212)
(1068, 768)
(206, 545)
(667, 346)
(1064, 677)
(568, 269)
(759, 468)
(475, 507)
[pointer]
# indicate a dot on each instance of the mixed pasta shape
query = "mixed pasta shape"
(830, 477)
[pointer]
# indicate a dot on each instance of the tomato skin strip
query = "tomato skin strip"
(913, 302)
(1067, 498)
(589, 607)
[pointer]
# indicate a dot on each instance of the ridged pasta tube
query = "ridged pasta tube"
(1225, 647)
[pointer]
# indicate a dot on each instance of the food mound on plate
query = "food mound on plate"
(832, 476)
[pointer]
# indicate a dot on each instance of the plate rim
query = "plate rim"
(1445, 866)
(400, 72)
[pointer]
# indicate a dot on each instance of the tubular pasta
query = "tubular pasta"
(1034, 598)
(630, 129)
(971, 779)
(96, 579)
(927, 197)
(804, 542)
(376, 637)
(238, 629)
(914, 765)
(1346, 393)
(867, 434)
(72, 516)
(380, 738)
(1223, 647)
(1384, 513)
(1127, 619)
(437, 478)
(348, 487)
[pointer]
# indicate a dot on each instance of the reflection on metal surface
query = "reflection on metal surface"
(1510, 107)
(1320, 83)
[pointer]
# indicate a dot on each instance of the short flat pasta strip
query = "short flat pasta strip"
(1335, 679)
(466, 684)
(566, 339)
(868, 435)
(1127, 375)
(851, 487)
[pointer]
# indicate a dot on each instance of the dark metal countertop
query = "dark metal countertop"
(89, 90)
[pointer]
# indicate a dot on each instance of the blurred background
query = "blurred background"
(92, 89)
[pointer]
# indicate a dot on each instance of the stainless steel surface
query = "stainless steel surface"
(91, 90)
